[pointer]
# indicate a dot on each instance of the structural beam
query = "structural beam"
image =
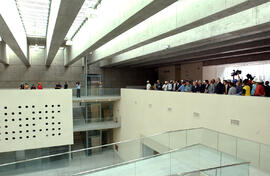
(3, 53)
(243, 43)
(62, 15)
(248, 21)
(175, 19)
(115, 18)
(231, 54)
(12, 30)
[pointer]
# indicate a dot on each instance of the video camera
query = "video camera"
(250, 77)
(237, 72)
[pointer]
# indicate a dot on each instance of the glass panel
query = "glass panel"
(227, 144)
(238, 170)
(150, 154)
(194, 136)
(248, 151)
(158, 166)
(185, 160)
(265, 158)
(210, 138)
(98, 92)
(209, 157)
(178, 139)
(97, 158)
(158, 144)
(127, 151)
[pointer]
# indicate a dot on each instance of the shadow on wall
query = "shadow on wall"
(121, 78)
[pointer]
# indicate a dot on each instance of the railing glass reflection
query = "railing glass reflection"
(185, 150)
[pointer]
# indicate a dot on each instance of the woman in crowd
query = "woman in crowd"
(33, 87)
(26, 86)
(211, 87)
(232, 89)
(246, 88)
(194, 88)
(206, 85)
(259, 91)
(39, 86)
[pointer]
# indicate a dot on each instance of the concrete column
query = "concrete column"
(85, 75)
(67, 54)
(3, 53)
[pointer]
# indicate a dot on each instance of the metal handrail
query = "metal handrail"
(213, 168)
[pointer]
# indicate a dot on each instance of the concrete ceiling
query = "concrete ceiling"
(223, 36)
(112, 24)
(246, 45)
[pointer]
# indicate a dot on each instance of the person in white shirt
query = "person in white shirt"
(78, 86)
(170, 86)
(164, 87)
(148, 85)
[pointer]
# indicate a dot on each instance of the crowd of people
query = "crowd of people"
(246, 87)
(57, 86)
(39, 86)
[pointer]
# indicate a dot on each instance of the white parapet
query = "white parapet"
(31, 119)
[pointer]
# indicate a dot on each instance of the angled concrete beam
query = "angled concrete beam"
(242, 43)
(3, 53)
(252, 20)
(62, 15)
(115, 18)
(229, 54)
(12, 30)
(177, 18)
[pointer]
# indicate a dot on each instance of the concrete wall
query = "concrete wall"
(128, 77)
(167, 73)
(148, 112)
(121, 78)
(12, 75)
(191, 71)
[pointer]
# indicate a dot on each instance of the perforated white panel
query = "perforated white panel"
(32, 119)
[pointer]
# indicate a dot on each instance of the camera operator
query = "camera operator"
(234, 73)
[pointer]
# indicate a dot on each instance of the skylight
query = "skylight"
(34, 15)
(85, 12)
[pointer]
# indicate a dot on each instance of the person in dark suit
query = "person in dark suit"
(219, 87)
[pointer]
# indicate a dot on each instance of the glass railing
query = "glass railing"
(93, 120)
(239, 169)
(257, 154)
(190, 159)
(175, 152)
(97, 92)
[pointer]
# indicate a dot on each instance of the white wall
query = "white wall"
(33, 119)
(149, 112)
